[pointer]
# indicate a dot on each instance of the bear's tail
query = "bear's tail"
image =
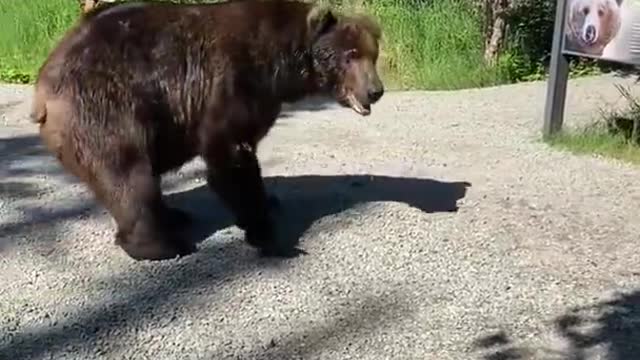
(39, 106)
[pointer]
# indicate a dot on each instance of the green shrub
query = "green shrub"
(530, 35)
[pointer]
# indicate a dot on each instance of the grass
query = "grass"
(597, 142)
(426, 44)
(432, 45)
(610, 136)
(29, 29)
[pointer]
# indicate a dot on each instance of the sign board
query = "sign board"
(599, 29)
(603, 29)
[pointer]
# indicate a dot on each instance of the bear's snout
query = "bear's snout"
(375, 94)
(590, 34)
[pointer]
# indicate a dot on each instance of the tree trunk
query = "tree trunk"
(88, 5)
(497, 26)
(495, 42)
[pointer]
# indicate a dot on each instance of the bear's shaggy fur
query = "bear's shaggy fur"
(138, 89)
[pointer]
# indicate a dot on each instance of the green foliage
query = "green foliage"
(530, 34)
(29, 29)
(517, 68)
(595, 140)
(432, 44)
(15, 76)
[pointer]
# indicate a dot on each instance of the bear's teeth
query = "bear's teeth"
(357, 106)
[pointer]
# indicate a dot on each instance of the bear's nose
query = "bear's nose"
(590, 34)
(375, 95)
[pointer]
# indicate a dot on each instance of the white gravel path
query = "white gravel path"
(540, 261)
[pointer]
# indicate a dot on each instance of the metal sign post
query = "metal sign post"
(558, 77)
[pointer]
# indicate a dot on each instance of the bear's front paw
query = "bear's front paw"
(265, 238)
(274, 205)
(261, 234)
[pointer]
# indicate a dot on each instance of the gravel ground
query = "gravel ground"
(439, 227)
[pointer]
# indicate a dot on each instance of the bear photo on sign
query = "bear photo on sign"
(591, 25)
(604, 29)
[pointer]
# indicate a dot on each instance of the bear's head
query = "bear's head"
(345, 54)
(593, 23)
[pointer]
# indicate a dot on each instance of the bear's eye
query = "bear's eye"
(350, 55)
(600, 12)
(585, 11)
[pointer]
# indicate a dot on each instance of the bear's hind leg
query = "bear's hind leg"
(146, 226)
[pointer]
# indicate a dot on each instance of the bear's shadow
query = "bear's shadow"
(306, 199)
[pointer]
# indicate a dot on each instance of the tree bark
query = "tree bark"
(88, 5)
(497, 26)
(495, 42)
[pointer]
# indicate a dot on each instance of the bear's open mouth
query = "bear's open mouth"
(357, 106)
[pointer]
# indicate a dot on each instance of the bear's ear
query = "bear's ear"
(320, 20)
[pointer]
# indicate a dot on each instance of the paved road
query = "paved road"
(537, 259)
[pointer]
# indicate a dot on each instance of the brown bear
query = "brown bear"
(135, 90)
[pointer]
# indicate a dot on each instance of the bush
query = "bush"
(530, 35)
